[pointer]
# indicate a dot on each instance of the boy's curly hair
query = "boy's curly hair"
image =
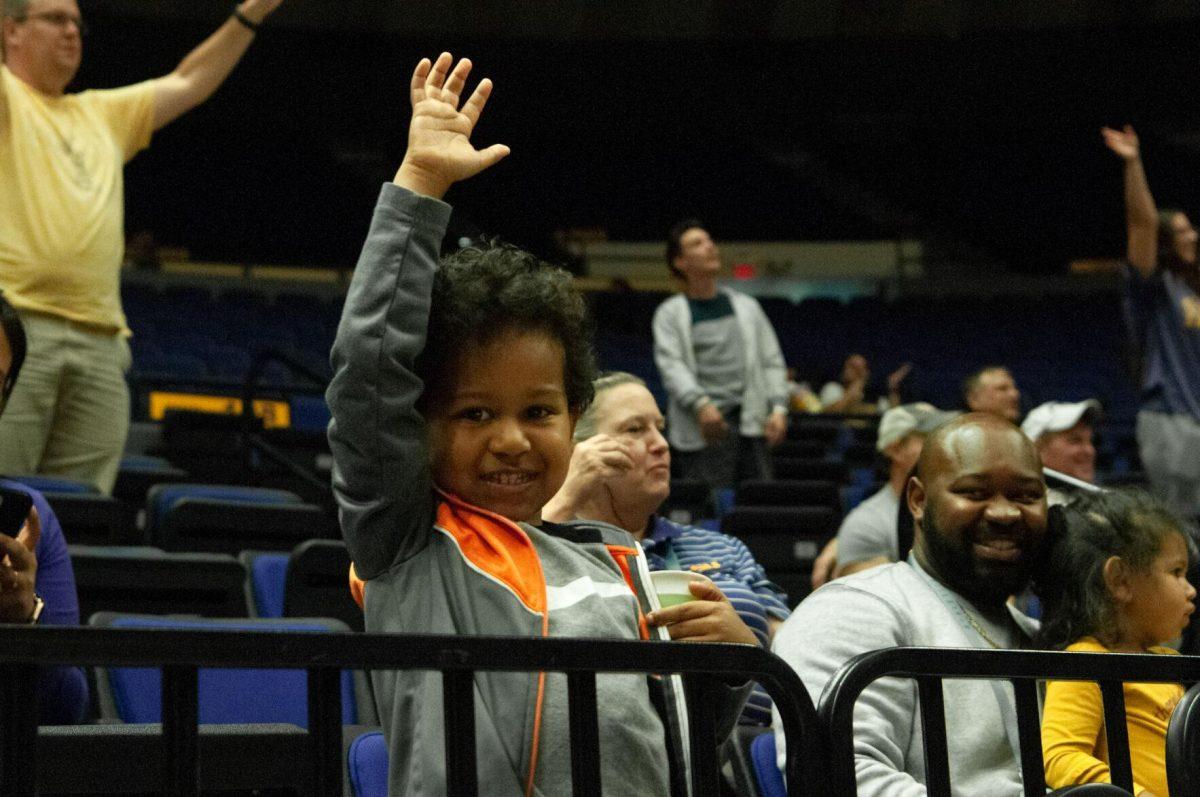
(483, 292)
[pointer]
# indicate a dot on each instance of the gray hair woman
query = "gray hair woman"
(620, 473)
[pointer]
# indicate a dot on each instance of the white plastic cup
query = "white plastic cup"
(671, 586)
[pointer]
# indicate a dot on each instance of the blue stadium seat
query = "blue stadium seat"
(232, 519)
(766, 770)
(141, 462)
(88, 518)
(140, 472)
(162, 497)
(316, 583)
(148, 580)
(134, 694)
(309, 413)
(55, 484)
(266, 577)
(367, 763)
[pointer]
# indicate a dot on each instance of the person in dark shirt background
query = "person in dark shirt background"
(1162, 300)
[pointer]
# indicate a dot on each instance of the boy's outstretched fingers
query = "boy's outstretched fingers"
(458, 79)
(440, 152)
(437, 75)
(479, 98)
(416, 88)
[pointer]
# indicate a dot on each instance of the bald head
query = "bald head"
(967, 436)
(979, 504)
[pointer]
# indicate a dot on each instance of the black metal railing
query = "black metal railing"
(181, 653)
(929, 667)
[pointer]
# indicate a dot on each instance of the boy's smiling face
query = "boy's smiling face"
(500, 436)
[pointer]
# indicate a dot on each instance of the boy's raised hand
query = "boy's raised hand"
(440, 152)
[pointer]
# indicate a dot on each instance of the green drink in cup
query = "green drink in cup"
(671, 586)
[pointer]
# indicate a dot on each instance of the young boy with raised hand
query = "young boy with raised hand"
(455, 392)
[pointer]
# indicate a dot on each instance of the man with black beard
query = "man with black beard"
(979, 506)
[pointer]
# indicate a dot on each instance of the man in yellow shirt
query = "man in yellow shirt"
(62, 204)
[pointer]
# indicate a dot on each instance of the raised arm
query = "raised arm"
(381, 464)
(1141, 215)
(205, 68)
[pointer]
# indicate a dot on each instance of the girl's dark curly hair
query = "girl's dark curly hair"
(482, 293)
(1128, 523)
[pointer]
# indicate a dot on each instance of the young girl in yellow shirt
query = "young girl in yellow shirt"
(1117, 584)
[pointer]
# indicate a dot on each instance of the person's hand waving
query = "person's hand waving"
(440, 152)
(259, 10)
(1123, 142)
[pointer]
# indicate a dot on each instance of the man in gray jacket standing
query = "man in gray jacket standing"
(722, 367)
(979, 507)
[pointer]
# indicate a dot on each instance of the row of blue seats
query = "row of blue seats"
(309, 580)
(188, 517)
(1061, 348)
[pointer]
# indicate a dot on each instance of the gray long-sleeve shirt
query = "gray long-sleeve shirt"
(764, 387)
(895, 606)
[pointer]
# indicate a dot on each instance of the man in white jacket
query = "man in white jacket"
(722, 367)
(979, 505)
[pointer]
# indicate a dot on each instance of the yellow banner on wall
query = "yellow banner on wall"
(274, 414)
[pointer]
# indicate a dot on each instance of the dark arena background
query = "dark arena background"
(920, 182)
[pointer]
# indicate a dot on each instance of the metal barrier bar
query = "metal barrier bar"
(1117, 733)
(458, 703)
(18, 723)
(706, 777)
(585, 735)
(1029, 729)
(933, 726)
(457, 657)
(843, 690)
(180, 721)
(325, 728)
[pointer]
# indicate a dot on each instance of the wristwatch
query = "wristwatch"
(38, 606)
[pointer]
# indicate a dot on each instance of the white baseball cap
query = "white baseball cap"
(899, 422)
(1058, 416)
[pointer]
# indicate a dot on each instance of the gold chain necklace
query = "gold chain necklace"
(978, 628)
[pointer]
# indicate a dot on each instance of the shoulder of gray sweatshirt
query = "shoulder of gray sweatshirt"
(893, 606)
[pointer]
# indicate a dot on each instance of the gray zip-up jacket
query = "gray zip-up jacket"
(434, 564)
(766, 374)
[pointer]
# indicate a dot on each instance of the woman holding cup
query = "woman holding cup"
(620, 473)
